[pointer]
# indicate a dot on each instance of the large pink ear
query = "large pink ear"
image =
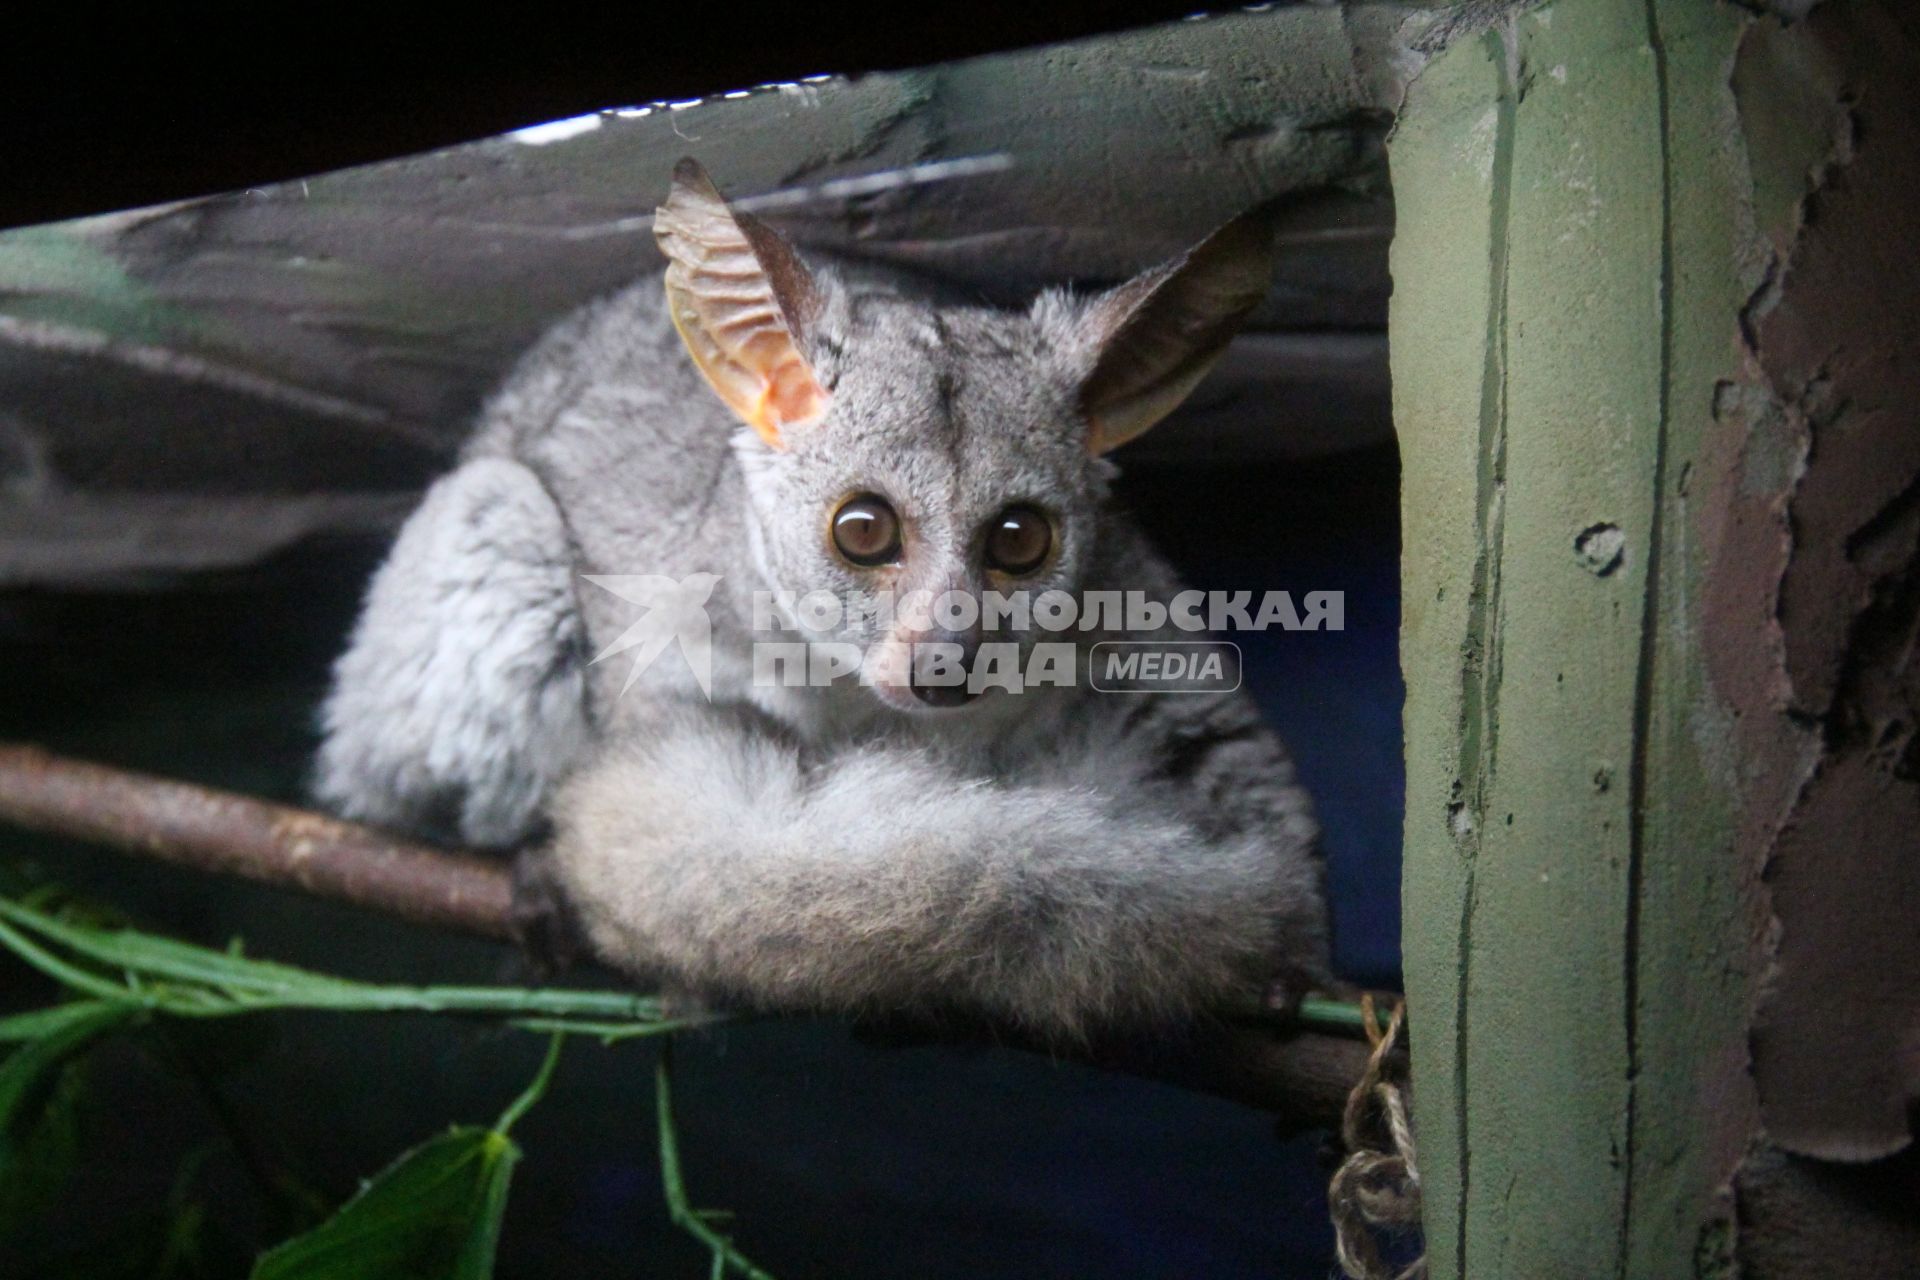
(1158, 334)
(741, 299)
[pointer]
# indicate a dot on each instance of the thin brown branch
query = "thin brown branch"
(236, 835)
(1302, 1076)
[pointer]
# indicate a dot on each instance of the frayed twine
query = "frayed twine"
(1377, 1187)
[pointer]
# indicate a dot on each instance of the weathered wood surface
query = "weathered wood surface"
(197, 385)
(1654, 773)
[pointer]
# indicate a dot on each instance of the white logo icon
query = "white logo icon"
(674, 611)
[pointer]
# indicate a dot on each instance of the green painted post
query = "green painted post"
(1567, 284)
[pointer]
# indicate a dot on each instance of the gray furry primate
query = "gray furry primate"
(1058, 859)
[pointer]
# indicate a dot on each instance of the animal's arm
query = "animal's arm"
(460, 698)
(714, 856)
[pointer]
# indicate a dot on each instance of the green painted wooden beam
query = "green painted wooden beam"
(1567, 289)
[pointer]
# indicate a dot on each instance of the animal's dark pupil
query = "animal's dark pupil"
(1020, 542)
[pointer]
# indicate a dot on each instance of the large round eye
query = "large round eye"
(866, 531)
(1018, 540)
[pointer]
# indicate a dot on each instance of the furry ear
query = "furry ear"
(1156, 335)
(742, 300)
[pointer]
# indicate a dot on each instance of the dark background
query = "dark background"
(842, 1157)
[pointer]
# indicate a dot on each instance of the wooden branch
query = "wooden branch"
(236, 835)
(1301, 1076)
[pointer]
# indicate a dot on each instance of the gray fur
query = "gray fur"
(1061, 859)
(459, 700)
(885, 877)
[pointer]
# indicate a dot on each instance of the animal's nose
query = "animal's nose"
(941, 663)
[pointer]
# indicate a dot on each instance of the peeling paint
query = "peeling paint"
(1824, 541)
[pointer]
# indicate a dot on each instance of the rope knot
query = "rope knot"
(1376, 1189)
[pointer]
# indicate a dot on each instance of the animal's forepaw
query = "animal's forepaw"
(543, 923)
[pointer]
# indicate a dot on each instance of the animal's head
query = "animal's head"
(903, 451)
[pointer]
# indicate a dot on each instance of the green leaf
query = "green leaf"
(434, 1214)
(40, 1087)
(48, 1038)
(39, 1154)
(38, 1024)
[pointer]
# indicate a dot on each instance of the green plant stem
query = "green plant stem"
(1336, 1015)
(535, 1090)
(610, 1032)
(66, 974)
(1323, 1013)
(197, 981)
(679, 1208)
